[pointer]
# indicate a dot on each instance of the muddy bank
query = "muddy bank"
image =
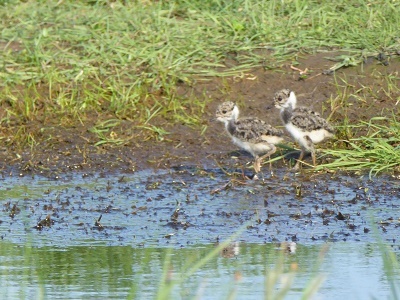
(353, 94)
(189, 206)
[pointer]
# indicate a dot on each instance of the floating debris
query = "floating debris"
(47, 222)
(97, 224)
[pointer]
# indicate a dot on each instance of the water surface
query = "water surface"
(152, 217)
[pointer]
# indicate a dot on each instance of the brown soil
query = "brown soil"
(62, 148)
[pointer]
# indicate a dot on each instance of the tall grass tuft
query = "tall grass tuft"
(377, 151)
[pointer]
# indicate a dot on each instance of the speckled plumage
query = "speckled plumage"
(253, 130)
(306, 126)
(251, 134)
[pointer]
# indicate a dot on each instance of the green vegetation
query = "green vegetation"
(362, 145)
(378, 150)
(127, 59)
(391, 266)
(279, 276)
(135, 64)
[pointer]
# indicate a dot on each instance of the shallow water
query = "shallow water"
(124, 255)
(115, 272)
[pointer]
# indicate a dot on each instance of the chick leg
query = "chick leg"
(299, 160)
(309, 147)
(268, 154)
(257, 164)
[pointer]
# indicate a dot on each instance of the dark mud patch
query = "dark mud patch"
(188, 206)
(369, 90)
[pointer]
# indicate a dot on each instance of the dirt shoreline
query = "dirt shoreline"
(60, 149)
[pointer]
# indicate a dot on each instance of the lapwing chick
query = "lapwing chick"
(250, 134)
(306, 126)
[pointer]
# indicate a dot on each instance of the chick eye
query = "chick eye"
(224, 111)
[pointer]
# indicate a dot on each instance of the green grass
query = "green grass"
(377, 151)
(391, 267)
(127, 60)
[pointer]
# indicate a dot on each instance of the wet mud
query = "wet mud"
(181, 191)
(185, 206)
(352, 94)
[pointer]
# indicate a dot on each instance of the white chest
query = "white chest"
(316, 136)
